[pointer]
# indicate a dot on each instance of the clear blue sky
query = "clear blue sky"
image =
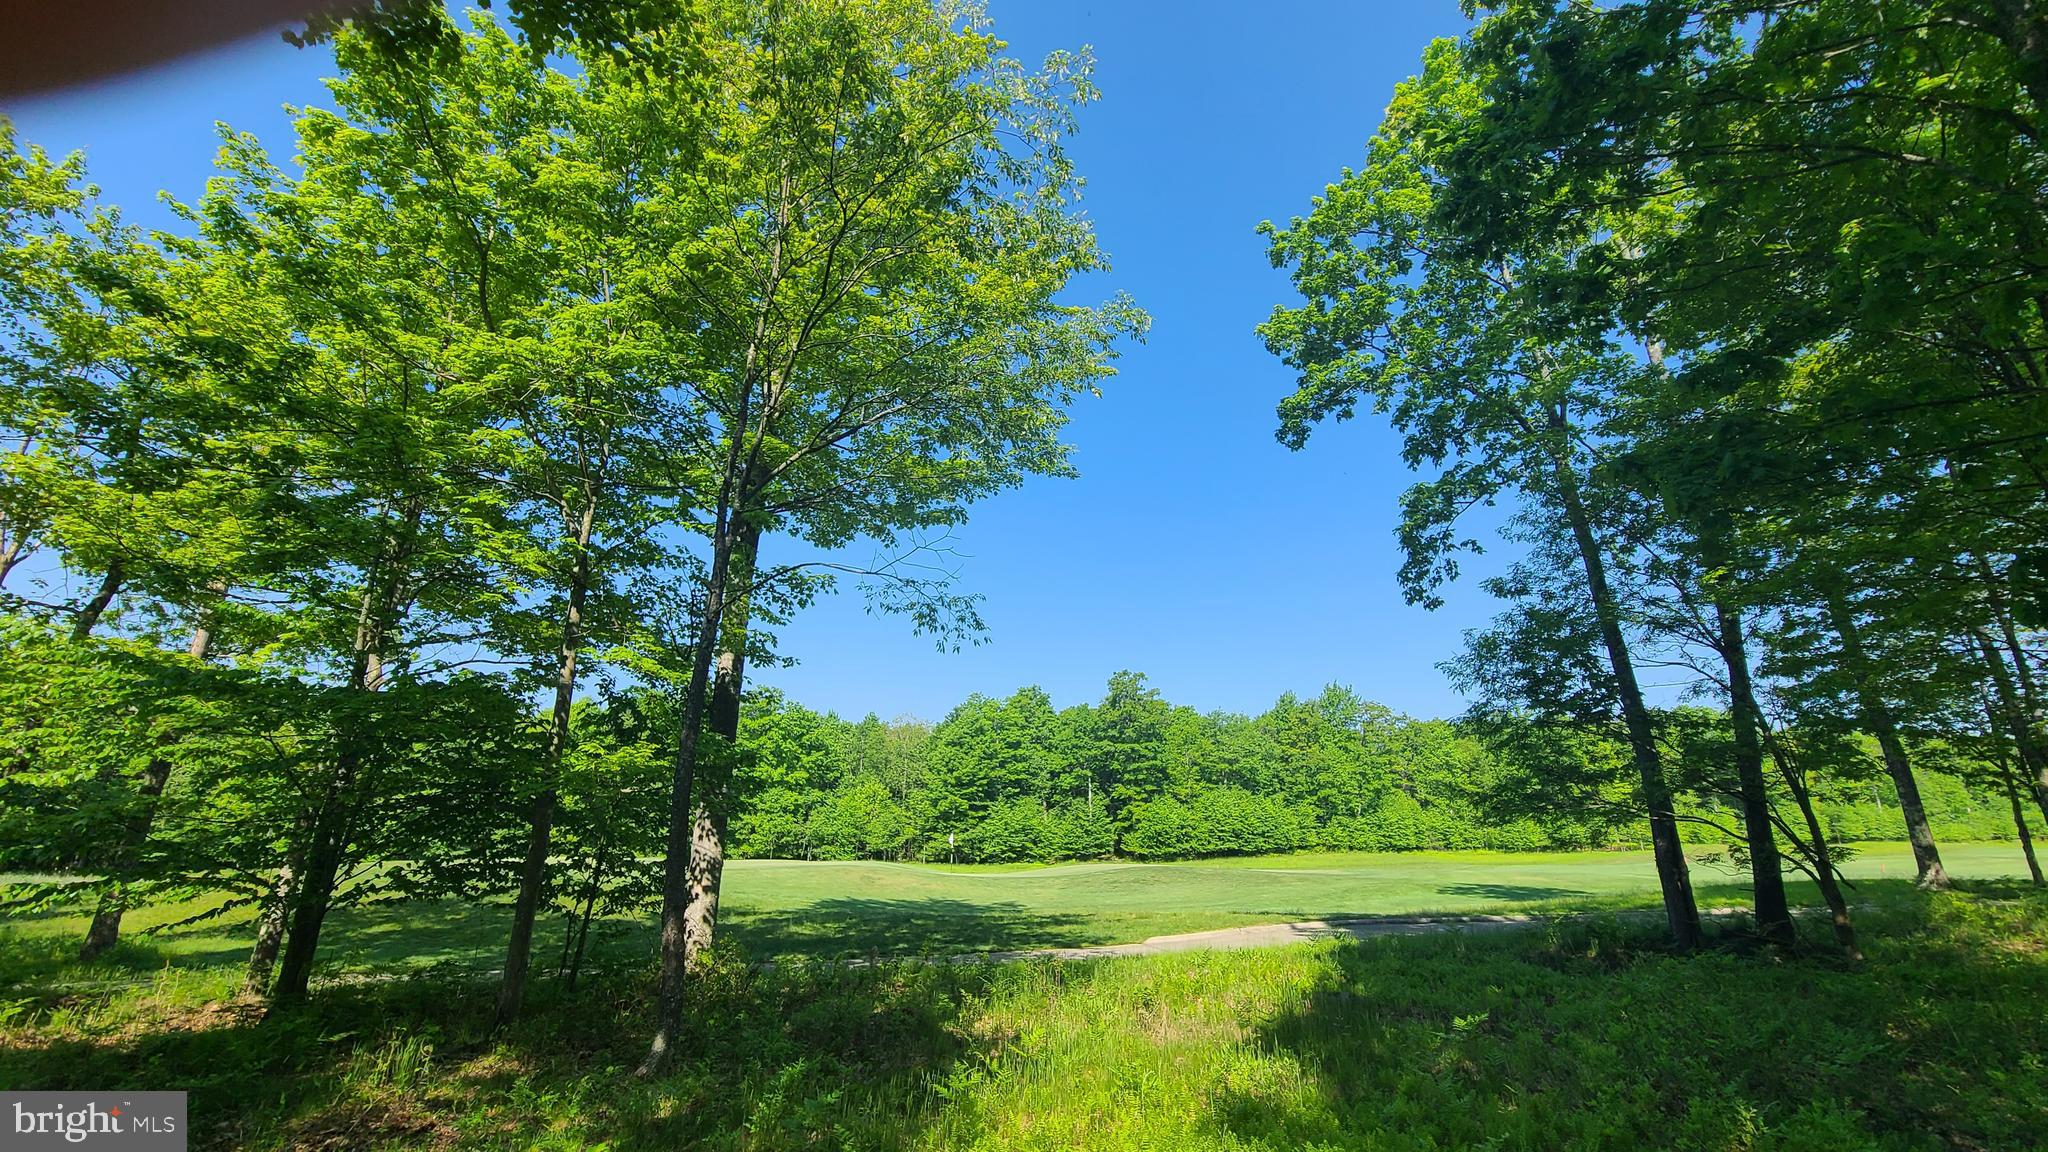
(1193, 547)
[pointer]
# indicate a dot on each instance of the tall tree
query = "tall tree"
(541, 174)
(360, 315)
(1857, 276)
(105, 929)
(874, 242)
(1450, 348)
(1882, 722)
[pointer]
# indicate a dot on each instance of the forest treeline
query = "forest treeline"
(1133, 775)
(403, 520)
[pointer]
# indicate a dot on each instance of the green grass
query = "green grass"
(1580, 1035)
(782, 909)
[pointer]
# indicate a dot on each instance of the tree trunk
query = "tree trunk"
(1773, 915)
(2019, 822)
(1925, 854)
(707, 843)
(2022, 704)
(90, 612)
(2026, 701)
(1995, 596)
(1823, 860)
(2033, 758)
(270, 922)
(105, 931)
(315, 884)
(533, 874)
(12, 550)
(106, 921)
(1681, 914)
(332, 814)
(1878, 716)
(675, 878)
(728, 521)
(17, 533)
(581, 926)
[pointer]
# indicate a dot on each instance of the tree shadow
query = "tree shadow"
(871, 926)
(1520, 893)
(1592, 1034)
(408, 936)
(397, 1045)
(416, 933)
(789, 1056)
(408, 933)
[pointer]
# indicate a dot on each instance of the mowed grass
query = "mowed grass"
(1581, 1034)
(774, 903)
(778, 910)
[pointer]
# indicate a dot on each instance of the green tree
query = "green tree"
(108, 470)
(43, 211)
(1451, 350)
(989, 752)
(351, 322)
(874, 245)
(1862, 188)
(531, 180)
(1854, 293)
(1121, 741)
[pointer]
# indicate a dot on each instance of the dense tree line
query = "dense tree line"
(1135, 776)
(1743, 308)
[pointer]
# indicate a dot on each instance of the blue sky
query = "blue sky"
(1193, 547)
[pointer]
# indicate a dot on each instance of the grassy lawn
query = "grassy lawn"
(780, 908)
(777, 909)
(1573, 1035)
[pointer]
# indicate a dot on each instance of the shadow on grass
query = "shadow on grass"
(787, 1058)
(1594, 1035)
(1584, 1034)
(781, 1058)
(41, 952)
(456, 938)
(1510, 892)
(414, 933)
(854, 925)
